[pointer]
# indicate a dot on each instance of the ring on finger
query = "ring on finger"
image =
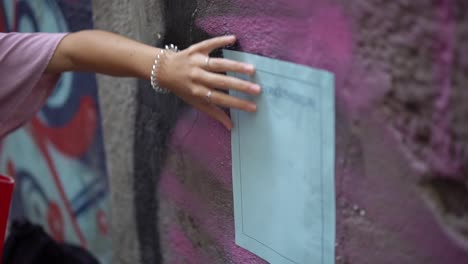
(207, 62)
(209, 95)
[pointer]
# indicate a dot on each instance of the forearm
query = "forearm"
(103, 52)
(190, 74)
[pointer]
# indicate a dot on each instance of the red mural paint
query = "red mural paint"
(102, 224)
(81, 128)
(56, 221)
(62, 193)
(11, 169)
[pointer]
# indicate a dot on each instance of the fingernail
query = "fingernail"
(253, 108)
(255, 88)
(249, 67)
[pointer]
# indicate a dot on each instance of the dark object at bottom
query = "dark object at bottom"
(29, 244)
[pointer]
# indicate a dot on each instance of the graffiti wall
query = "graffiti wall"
(402, 136)
(57, 159)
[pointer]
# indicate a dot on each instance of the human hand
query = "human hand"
(193, 76)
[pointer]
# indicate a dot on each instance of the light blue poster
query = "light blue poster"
(283, 163)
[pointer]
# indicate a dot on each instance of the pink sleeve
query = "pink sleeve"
(24, 87)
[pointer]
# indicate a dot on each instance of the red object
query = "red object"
(56, 222)
(6, 189)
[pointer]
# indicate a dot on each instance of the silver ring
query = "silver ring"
(207, 62)
(208, 96)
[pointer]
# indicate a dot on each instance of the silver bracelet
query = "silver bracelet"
(156, 64)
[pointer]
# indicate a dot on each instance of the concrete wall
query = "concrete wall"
(133, 242)
(401, 144)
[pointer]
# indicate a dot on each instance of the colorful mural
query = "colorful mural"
(58, 158)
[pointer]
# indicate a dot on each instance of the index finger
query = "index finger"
(209, 45)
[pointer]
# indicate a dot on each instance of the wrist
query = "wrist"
(159, 78)
(164, 72)
(145, 63)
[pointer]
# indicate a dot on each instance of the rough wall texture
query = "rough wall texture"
(401, 142)
(131, 198)
(58, 158)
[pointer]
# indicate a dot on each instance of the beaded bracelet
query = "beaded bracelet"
(156, 64)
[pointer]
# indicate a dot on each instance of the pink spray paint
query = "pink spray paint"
(217, 224)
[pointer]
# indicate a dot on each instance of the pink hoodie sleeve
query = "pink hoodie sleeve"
(24, 87)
